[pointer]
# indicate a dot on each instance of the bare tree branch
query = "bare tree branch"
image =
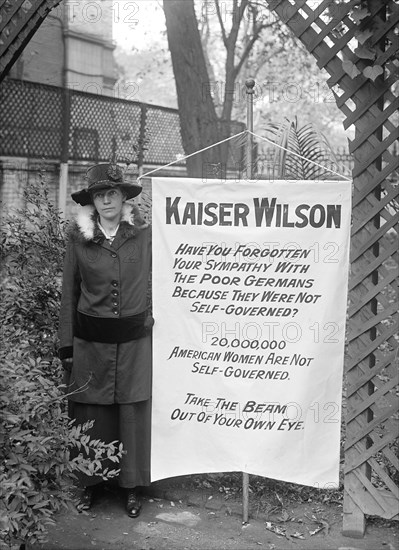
(222, 28)
(243, 6)
(248, 47)
(236, 21)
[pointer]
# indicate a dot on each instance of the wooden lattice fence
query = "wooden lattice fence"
(19, 20)
(329, 29)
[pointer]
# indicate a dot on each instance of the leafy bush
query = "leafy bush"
(40, 448)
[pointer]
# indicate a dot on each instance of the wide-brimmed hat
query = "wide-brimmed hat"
(103, 176)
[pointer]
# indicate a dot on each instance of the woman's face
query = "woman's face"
(108, 203)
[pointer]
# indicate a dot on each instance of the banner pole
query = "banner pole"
(249, 84)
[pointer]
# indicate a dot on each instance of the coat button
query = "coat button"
(113, 255)
(114, 283)
(114, 303)
(115, 311)
(115, 293)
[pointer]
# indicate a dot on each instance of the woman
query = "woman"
(105, 340)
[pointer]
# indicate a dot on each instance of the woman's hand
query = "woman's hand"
(149, 323)
(67, 364)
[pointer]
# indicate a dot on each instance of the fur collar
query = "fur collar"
(86, 227)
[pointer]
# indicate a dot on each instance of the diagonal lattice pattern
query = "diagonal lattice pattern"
(329, 30)
(19, 20)
(27, 129)
(35, 117)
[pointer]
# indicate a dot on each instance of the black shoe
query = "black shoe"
(133, 504)
(86, 499)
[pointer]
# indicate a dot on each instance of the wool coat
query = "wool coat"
(104, 322)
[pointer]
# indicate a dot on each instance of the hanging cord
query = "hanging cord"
(232, 137)
(300, 156)
(191, 155)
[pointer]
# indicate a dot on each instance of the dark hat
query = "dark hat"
(103, 176)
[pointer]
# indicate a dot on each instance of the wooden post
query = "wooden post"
(141, 140)
(63, 180)
(250, 83)
(354, 518)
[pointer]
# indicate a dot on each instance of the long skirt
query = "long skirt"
(129, 424)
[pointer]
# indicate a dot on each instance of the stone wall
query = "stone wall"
(16, 173)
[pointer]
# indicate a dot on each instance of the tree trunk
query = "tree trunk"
(198, 119)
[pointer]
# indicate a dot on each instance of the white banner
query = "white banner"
(249, 301)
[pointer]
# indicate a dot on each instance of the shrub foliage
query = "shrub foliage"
(40, 448)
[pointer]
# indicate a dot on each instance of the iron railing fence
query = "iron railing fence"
(43, 121)
(38, 120)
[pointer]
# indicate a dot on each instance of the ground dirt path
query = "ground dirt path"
(178, 516)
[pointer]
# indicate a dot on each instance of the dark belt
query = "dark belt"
(110, 331)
